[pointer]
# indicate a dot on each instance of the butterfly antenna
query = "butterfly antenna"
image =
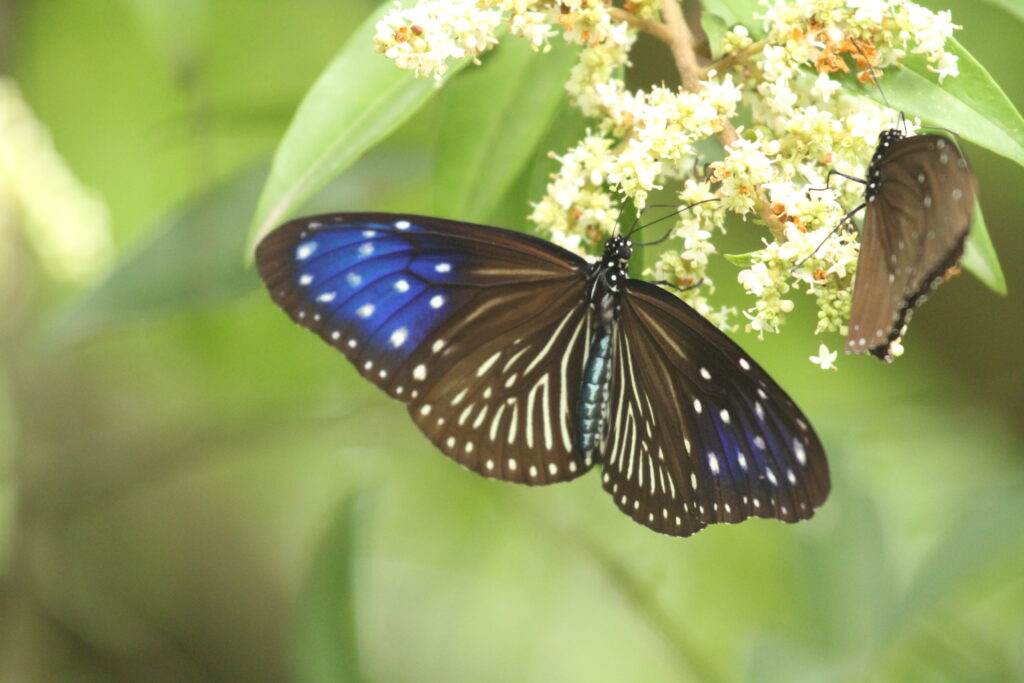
(633, 229)
(668, 233)
(848, 218)
(874, 79)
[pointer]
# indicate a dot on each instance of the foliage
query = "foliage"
(185, 475)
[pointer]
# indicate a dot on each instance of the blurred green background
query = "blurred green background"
(192, 488)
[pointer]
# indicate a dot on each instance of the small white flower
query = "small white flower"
(825, 358)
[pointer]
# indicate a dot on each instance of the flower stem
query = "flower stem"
(654, 28)
(681, 45)
(732, 59)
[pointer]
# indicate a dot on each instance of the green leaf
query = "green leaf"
(971, 104)
(1013, 7)
(565, 131)
(735, 12)
(192, 261)
(492, 121)
(325, 637)
(715, 27)
(359, 99)
(980, 256)
(743, 260)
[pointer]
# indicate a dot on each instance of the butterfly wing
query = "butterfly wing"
(914, 231)
(482, 332)
(698, 433)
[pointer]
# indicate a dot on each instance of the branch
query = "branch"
(656, 29)
(682, 48)
(732, 59)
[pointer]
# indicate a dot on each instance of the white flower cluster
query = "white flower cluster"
(798, 125)
(686, 269)
(874, 33)
(66, 223)
(577, 212)
(424, 37)
(821, 261)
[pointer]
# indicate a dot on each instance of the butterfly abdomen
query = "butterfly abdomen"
(592, 407)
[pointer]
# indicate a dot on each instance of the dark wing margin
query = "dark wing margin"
(698, 433)
(482, 332)
(914, 232)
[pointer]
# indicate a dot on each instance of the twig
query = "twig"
(654, 28)
(733, 58)
(682, 48)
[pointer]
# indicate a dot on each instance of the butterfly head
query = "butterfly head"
(886, 140)
(617, 252)
(889, 137)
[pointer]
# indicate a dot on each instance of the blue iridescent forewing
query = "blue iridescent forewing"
(481, 331)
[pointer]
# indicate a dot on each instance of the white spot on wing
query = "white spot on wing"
(419, 373)
(486, 365)
(801, 453)
(443, 267)
(305, 250)
(399, 336)
(436, 301)
(327, 297)
(365, 311)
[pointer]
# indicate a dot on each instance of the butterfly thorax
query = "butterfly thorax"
(886, 140)
(605, 282)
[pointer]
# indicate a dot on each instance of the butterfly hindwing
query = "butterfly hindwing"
(481, 331)
(914, 231)
(698, 432)
(497, 397)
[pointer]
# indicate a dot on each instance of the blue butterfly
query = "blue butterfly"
(523, 362)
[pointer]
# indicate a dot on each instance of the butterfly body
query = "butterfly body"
(919, 196)
(604, 288)
(523, 362)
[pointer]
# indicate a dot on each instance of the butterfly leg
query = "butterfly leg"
(687, 288)
(828, 180)
(845, 220)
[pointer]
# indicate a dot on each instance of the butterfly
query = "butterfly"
(524, 362)
(919, 196)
